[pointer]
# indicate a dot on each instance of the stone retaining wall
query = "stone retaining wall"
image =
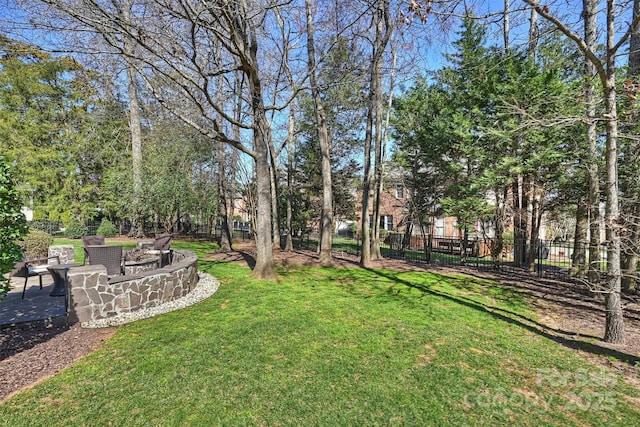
(93, 296)
(65, 252)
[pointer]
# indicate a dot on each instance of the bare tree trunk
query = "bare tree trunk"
(506, 26)
(365, 256)
(226, 236)
(590, 72)
(533, 32)
(630, 251)
(634, 43)
(521, 222)
(290, 143)
(223, 204)
(290, 147)
(326, 221)
(264, 255)
(383, 34)
(245, 32)
(632, 223)
(579, 256)
(614, 328)
(135, 126)
(534, 239)
(497, 245)
(275, 211)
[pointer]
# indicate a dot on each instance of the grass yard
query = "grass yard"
(333, 347)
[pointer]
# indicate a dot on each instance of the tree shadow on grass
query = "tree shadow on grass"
(232, 256)
(565, 338)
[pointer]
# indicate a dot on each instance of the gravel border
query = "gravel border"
(207, 286)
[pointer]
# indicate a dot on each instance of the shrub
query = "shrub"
(13, 225)
(36, 244)
(75, 229)
(106, 228)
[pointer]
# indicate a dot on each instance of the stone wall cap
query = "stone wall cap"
(88, 269)
(123, 278)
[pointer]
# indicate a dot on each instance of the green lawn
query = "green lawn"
(333, 347)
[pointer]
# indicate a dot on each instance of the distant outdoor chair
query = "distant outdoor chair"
(162, 242)
(109, 256)
(35, 267)
(161, 246)
(91, 241)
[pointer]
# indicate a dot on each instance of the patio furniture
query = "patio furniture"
(59, 274)
(109, 256)
(91, 241)
(161, 247)
(36, 267)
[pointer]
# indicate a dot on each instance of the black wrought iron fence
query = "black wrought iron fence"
(543, 257)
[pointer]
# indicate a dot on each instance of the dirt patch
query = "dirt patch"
(565, 314)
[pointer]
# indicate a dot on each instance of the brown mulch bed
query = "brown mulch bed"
(29, 355)
(566, 314)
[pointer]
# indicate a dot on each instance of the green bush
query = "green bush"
(75, 229)
(13, 225)
(36, 244)
(106, 228)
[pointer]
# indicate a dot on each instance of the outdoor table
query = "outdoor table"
(59, 274)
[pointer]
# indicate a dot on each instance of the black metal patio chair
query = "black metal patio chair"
(32, 268)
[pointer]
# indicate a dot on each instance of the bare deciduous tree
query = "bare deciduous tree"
(175, 54)
(606, 71)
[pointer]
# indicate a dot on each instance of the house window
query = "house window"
(399, 191)
(386, 222)
(440, 227)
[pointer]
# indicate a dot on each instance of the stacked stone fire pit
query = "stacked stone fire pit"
(92, 295)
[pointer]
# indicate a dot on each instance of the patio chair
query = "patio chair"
(109, 256)
(161, 247)
(32, 268)
(91, 241)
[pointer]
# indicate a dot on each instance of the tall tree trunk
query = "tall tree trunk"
(226, 236)
(614, 327)
(223, 204)
(137, 222)
(264, 255)
(630, 253)
(506, 26)
(365, 256)
(534, 238)
(290, 147)
(590, 72)
(533, 33)
(275, 211)
(290, 143)
(326, 221)
(244, 31)
(630, 248)
(579, 256)
(383, 34)
(521, 221)
(634, 44)
(497, 245)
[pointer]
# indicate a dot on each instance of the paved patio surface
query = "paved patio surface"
(37, 305)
